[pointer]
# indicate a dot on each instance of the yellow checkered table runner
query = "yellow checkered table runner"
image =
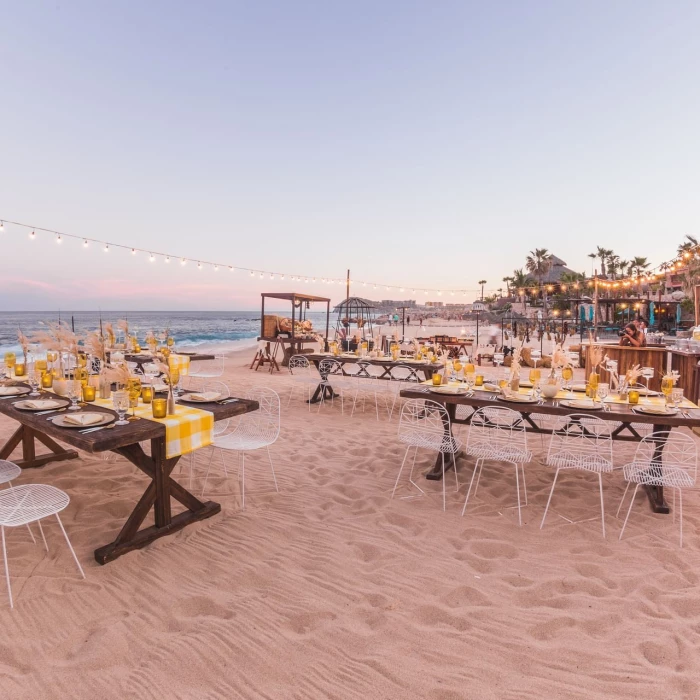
(188, 430)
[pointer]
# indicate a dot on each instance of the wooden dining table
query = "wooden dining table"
(124, 440)
(618, 412)
(142, 360)
(387, 365)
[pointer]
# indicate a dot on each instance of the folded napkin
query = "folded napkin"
(83, 418)
(41, 404)
(206, 396)
(160, 387)
(9, 390)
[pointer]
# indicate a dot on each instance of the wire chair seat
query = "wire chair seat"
(497, 453)
(432, 441)
(208, 369)
(8, 471)
(587, 462)
(651, 474)
(30, 502)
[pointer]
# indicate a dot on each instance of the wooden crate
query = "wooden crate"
(270, 326)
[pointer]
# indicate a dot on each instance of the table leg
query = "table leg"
(655, 494)
(435, 474)
(30, 459)
(156, 496)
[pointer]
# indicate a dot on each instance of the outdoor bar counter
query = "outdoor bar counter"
(686, 363)
(626, 357)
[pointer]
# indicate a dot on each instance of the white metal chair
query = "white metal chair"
(302, 377)
(333, 379)
(665, 458)
(254, 431)
(425, 424)
(497, 434)
(28, 503)
(208, 369)
(8, 472)
(401, 376)
(581, 442)
(220, 427)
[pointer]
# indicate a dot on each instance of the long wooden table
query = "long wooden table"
(124, 440)
(427, 368)
(618, 413)
(142, 360)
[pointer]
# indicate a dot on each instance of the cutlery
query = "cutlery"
(60, 410)
(96, 428)
(53, 410)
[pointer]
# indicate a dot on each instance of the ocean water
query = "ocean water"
(207, 331)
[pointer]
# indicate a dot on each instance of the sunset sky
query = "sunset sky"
(416, 143)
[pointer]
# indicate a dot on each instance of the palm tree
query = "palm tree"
(592, 256)
(507, 280)
(638, 265)
(539, 263)
(520, 280)
(604, 254)
(500, 292)
(688, 245)
(482, 283)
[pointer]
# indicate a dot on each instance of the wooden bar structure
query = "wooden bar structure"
(685, 362)
(626, 357)
(124, 440)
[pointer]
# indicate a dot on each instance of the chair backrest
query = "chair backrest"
(220, 426)
(580, 437)
(329, 366)
(499, 428)
(670, 454)
(265, 422)
(404, 373)
(298, 364)
(422, 416)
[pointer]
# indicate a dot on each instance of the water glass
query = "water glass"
(676, 396)
(603, 391)
(120, 401)
(74, 393)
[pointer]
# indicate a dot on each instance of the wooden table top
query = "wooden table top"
(110, 438)
(194, 357)
(618, 412)
(381, 362)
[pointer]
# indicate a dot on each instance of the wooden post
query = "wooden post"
(696, 292)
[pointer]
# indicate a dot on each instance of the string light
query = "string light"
(648, 277)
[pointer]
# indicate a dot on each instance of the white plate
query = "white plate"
(583, 404)
(105, 419)
(14, 390)
(657, 410)
(451, 390)
(191, 399)
(48, 404)
(518, 399)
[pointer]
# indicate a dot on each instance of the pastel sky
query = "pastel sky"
(420, 144)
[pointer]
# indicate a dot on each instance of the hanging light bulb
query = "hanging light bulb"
(133, 251)
(152, 258)
(230, 268)
(106, 248)
(2, 226)
(58, 238)
(167, 258)
(252, 274)
(262, 275)
(199, 265)
(85, 243)
(183, 261)
(272, 276)
(32, 235)
(282, 277)
(216, 268)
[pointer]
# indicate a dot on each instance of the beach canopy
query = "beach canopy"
(651, 313)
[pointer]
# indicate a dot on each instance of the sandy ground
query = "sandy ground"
(331, 589)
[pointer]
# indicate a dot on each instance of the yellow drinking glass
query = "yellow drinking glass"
(567, 374)
(133, 387)
(41, 364)
(633, 396)
(437, 379)
(51, 356)
(147, 394)
(47, 380)
(20, 369)
(171, 341)
(82, 359)
(535, 375)
(159, 408)
(479, 380)
(666, 386)
(88, 393)
(165, 352)
(458, 366)
(10, 360)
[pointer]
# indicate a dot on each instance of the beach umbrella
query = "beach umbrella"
(591, 311)
(651, 313)
(678, 314)
(582, 312)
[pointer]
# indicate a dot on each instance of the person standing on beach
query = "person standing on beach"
(408, 320)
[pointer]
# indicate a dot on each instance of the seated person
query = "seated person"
(632, 337)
